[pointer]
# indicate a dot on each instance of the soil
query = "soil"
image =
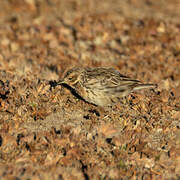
(48, 133)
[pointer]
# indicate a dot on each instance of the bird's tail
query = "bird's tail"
(143, 86)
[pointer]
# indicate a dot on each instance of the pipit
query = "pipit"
(101, 86)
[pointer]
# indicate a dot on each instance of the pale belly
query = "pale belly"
(99, 99)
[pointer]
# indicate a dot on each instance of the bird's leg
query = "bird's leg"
(124, 100)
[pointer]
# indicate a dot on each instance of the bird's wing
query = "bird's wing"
(102, 78)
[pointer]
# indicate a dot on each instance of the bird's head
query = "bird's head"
(71, 77)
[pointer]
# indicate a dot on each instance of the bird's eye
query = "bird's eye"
(70, 78)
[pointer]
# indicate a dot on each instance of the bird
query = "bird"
(100, 86)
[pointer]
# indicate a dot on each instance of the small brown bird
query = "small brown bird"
(101, 86)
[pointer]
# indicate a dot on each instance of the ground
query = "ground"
(46, 132)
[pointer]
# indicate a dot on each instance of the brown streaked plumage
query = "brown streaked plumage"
(101, 86)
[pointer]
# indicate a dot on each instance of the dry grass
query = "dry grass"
(46, 132)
